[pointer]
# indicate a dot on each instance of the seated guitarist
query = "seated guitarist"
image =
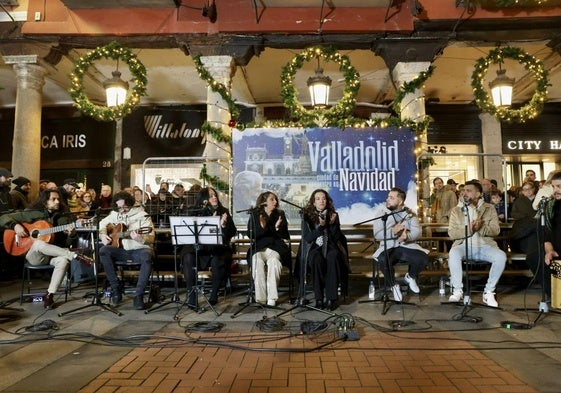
(47, 207)
(127, 234)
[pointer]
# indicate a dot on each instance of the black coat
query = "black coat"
(269, 236)
(335, 239)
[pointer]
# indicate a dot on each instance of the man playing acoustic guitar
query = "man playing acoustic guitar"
(127, 234)
(29, 232)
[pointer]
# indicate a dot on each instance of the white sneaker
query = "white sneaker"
(271, 302)
(456, 295)
(412, 283)
(396, 290)
(489, 299)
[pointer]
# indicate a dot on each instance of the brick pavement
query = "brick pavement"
(275, 363)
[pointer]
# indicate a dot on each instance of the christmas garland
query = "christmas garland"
(213, 180)
(344, 106)
(410, 87)
(482, 98)
(101, 112)
(217, 87)
(518, 3)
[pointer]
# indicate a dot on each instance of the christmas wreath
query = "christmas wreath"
(482, 98)
(101, 112)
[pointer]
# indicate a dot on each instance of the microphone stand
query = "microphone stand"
(467, 303)
(385, 298)
(301, 301)
(250, 301)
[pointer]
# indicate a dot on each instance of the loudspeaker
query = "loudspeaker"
(80, 272)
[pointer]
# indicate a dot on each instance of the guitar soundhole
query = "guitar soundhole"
(34, 234)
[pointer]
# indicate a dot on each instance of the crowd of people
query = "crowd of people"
(471, 212)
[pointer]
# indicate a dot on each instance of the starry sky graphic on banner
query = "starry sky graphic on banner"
(356, 166)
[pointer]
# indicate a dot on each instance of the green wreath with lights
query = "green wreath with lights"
(101, 112)
(344, 106)
(482, 98)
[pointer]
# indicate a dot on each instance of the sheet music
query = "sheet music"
(208, 228)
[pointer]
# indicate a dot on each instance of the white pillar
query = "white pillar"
(413, 107)
(26, 153)
(222, 69)
(491, 139)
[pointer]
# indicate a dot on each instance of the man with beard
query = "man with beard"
(47, 207)
(482, 224)
(20, 193)
(6, 204)
(402, 229)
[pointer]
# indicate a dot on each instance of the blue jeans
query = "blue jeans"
(492, 254)
(143, 256)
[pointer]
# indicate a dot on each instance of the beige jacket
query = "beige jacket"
(490, 228)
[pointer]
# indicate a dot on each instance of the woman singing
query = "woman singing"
(268, 229)
(323, 248)
(218, 257)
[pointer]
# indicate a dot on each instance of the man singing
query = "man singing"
(482, 224)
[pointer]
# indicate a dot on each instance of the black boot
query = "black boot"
(138, 303)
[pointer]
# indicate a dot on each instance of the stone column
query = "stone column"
(492, 142)
(413, 107)
(222, 69)
(26, 153)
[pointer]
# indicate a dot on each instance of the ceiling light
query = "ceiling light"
(501, 88)
(319, 85)
(115, 89)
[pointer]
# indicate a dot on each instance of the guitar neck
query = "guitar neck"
(59, 228)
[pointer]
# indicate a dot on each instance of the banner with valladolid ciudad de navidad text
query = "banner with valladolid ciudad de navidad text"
(356, 166)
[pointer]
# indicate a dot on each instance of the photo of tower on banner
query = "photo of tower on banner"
(357, 166)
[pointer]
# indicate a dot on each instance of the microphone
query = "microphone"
(543, 202)
(252, 208)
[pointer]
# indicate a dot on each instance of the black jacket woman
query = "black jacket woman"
(268, 228)
(217, 257)
(323, 248)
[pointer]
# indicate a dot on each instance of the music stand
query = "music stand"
(196, 231)
(96, 296)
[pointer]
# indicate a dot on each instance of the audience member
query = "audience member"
(498, 203)
(66, 190)
(6, 204)
(105, 199)
(486, 187)
(20, 193)
(443, 200)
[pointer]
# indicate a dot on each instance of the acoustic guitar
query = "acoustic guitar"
(118, 232)
(42, 230)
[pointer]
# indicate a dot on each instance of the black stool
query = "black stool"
(28, 268)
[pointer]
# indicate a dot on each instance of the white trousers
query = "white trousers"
(266, 283)
(42, 253)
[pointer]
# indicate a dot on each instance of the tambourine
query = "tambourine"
(555, 267)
